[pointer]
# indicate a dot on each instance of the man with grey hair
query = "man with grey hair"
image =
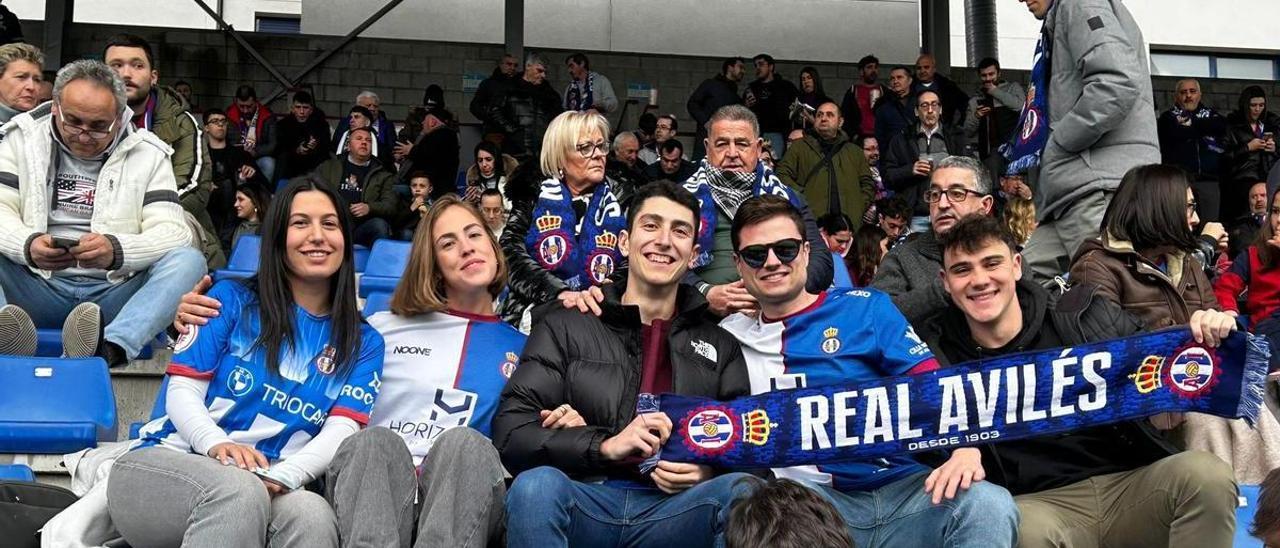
(623, 165)
(729, 175)
(384, 132)
(959, 186)
(91, 230)
(524, 108)
(20, 79)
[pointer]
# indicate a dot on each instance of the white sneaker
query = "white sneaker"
(82, 331)
(17, 332)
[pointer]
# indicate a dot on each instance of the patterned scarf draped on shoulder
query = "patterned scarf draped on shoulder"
(717, 189)
(581, 95)
(582, 257)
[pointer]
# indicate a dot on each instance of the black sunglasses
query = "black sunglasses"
(785, 250)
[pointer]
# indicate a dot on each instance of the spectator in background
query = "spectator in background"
(713, 93)
(1254, 276)
(489, 172)
(837, 231)
(365, 185)
(251, 202)
(44, 91)
(671, 164)
(831, 172)
(488, 90)
(437, 152)
(811, 95)
(587, 88)
(20, 79)
(108, 262)
(1019, 218)
(383, 129)
(860, 99)
(419, 202)
(783, 513)
(1250, 149)
(664, 129)
(524, 108)
(866, 252)
(914, 153)
(624, 166)
(494, 210)
(251, 125)
(871, 150)
(953, 99)
(959, 187)
(1191, 137)
(183, 88)
(360, 117)
(1266, 522)
(1101, 123)
(1245, 228)
(302, 138)
(993, 114)
(895, 111)
(769, 97)
(231, 166)
(893, 216)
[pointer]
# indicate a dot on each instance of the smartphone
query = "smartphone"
(1268, 136)
(265, 474)
(65, 243)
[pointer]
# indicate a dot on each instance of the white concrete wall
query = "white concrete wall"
(241, 14)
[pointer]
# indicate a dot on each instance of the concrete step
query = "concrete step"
(135, 387)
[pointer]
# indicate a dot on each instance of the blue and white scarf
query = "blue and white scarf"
(1023, 152)
(581, 95)
(727, 190)
(583, 259)
(1024, 395)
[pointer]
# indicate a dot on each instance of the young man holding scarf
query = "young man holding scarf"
(729, 175)
(802, 340)
(1113, 485)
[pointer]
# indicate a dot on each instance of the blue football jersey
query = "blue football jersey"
(842, 337)
(277, 413)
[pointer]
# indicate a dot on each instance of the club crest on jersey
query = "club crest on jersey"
(509, 366)
(240, 381)
(325, 361)
(709, 430)
(185, 340)
(830, 344)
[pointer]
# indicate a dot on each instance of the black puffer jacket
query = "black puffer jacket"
(593, 364)
(524, 111)
(1240, 164)
(1037, 464)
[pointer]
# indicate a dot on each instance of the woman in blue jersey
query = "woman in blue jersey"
(260, 397)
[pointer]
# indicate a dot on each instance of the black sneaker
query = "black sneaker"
(82, 331)
(17, 332)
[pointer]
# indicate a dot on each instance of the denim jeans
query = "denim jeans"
(903, 514)
(545, 509)
(134, 310)
(267, 165)
(371, 229)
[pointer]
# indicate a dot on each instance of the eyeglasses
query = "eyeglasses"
(75, 132)
(216, 122)
(587, 150)
(933, 195)
(785, 250)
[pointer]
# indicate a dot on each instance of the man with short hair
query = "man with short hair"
(183, 88)
(871, 149)
(252, 123)
(231, 167)
(91, 231)
(302, 138)
(1100, 123)
(524, 108)
(993, 114)
(828, 169)
(770, 96)
(895, 111)
(1245, 229)
(20, 78)
(623, 163)
(488, 90)
(715, 92)
(366, 185)
(1191, 138)
(582, 485)
(494, 211)
(731, 173)
(912, 155)
(952, 97)
(587, 88)
(1069, 486)
(893, 216)
(860, 100)
(958, 187)
(671, 164)
(665, 128)
(163, 112)
(803, 340)
(384, 131)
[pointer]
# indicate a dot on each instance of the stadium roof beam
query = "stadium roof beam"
(513, 28)
(58, 15)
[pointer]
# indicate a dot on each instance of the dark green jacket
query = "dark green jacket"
(803, 169)
(378, 191)
(192, 172)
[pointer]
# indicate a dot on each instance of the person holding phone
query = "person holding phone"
(302, 138)
(1250, 146)
(260, 398)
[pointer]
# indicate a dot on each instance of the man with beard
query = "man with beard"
(896, 110)
(831, 172)
(953, 99)
(993, 114)
(860, 100)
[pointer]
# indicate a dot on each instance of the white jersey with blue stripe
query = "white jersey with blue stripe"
(443, 370)
(842, 337)
(277, 413)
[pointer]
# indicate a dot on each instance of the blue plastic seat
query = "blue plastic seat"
(16, 472)
(461, 182)
(360, 257)
(386, 265)
(376, 302)
(244, 259)
(55, 405)
(49, 344)
(1244, 518)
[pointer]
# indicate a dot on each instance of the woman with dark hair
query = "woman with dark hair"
(489, 172)
(1250, 149)
(260, 397)
(870, 244)
(837, 231)
(250, 206)
(811, 95)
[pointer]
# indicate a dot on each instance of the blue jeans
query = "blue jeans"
(373, 228)
(545, 509)
(267, 165)
(135, 310)
(903, 514)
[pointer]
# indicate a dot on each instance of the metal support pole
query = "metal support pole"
(58, 16)
(980, 30)
(513, 28)
(222, 24)
(935, 26)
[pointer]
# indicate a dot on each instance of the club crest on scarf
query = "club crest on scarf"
(709, 430)
(589, 257)
(1024, 150)
(1190, 374)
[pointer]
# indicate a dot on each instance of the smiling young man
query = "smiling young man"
(802, 340)
(581, 485)
(1114, 485)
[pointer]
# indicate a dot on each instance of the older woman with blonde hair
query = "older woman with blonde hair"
(561, 239)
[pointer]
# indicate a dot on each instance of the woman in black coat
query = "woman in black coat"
(1250, 149)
